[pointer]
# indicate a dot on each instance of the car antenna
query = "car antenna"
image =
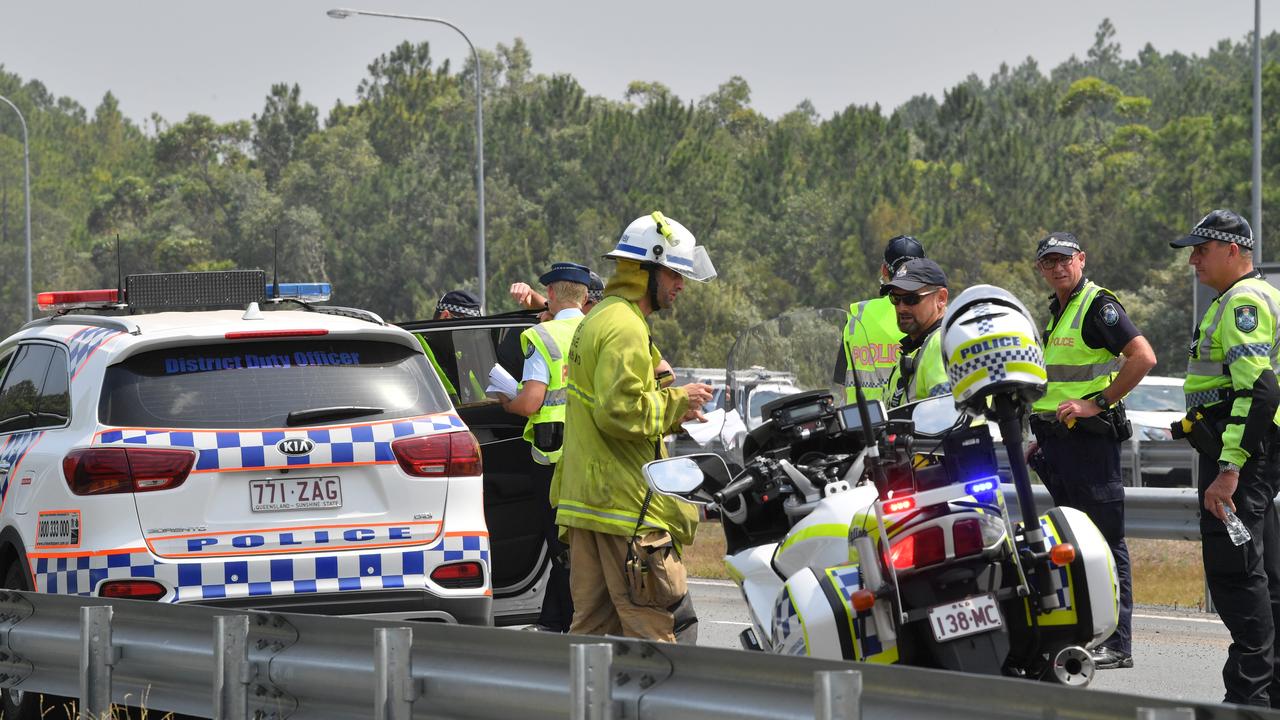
(275, 265)
(119, 273)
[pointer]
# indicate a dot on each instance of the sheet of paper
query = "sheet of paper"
(704, 432)
(500, 381)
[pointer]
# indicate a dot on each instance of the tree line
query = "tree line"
(378, 196)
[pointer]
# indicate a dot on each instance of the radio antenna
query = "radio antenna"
(119, 274)
(275, 265)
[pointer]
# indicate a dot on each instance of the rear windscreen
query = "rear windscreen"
(270, 384)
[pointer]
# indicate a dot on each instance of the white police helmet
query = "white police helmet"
(990, 345)
(657, 239)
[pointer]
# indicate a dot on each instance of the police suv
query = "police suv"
(303, 460)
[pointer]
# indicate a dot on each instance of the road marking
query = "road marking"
(1213, 620)
(713, 583)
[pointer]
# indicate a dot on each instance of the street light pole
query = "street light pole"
(26, 174)
(343, 13)
(1257, 131)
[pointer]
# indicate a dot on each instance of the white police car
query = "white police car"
(293, 459)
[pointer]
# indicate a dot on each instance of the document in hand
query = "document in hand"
(500, 381)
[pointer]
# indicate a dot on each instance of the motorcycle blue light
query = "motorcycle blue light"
(978, 487)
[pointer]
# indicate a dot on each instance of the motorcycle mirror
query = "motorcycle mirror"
(934, 415)
(684, 477)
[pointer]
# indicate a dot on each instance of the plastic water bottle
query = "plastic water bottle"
(1236, 530)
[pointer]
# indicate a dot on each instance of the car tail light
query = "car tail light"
(105, 470)
(919, 549)
(132, 589)
(966, 536)
(459, 575)
(446, 454)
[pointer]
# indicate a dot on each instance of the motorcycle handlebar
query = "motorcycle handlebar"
(735, 488)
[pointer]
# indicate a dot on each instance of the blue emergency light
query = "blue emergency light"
(304, 292)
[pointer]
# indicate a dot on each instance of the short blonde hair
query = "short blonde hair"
(566, 291)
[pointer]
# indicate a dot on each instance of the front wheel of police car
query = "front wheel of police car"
(293, 460)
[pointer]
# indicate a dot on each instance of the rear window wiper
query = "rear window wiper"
(337, 412)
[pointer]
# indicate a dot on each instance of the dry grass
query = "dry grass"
(1165, 572)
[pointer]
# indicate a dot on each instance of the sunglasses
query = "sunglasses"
(909, 300)
(1055, 260)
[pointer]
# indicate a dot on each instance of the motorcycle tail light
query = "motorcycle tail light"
(966, 537)
(444, 455)
(919, 549)
(107, 470)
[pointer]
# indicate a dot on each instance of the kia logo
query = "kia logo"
(296, 446)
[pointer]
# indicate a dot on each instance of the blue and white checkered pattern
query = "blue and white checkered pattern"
(239, 578)
(846, 579)
(786, 622)
(1063, 582)
(241, 450)
(11, 453)
(83, 342)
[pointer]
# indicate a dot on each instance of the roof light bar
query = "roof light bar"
(303, 292)
(71, 300)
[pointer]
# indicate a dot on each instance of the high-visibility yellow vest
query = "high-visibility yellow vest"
(550, 339)
(871, 343)
(1074, 369)
(1236, 342)
(928, 377)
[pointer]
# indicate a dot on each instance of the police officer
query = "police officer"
(1232, 394)
(624, 540)
(872, 337)
(918, 294)
(541, 399)
(453, 304)
(1079, 423)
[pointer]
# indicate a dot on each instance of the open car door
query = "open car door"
(515, 487)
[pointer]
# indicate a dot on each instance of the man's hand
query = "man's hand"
(693, 415)
(1071, 410)
(699, 395)
(1219, 493)
(1031, 450)
(526, 296)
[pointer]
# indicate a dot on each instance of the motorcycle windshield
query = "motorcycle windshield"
(797, 351)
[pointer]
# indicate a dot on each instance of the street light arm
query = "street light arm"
(26, 175)
(343, 13)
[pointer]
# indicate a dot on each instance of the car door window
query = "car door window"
(22, 385)
(53, 407)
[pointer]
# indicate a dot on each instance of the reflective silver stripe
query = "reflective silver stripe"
(582, 395)
(550, 342)
(879, 377)
(1090, 292)
(1080, 373)
(1204, 367)
(555, 397)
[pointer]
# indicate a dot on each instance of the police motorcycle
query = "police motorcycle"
(857, 535)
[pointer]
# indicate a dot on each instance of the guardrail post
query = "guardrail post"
(591, 681)
(231, 655)
(394, 688)
(1135, 446)
(1173, 713)
(97, 655)
(837, 695)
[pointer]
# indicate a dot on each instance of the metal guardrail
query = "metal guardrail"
(206, 661)
(1154, 513)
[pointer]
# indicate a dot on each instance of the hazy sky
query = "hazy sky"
(220, 57)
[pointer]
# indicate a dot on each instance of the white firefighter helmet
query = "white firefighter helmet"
(990, 345)
(657, 239)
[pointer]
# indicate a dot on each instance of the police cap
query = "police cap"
(1224, 225)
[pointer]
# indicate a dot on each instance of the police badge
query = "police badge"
(1110, 315)
(1246, 318)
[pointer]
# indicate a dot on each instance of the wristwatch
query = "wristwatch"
(1101, 401)
(1224, 466)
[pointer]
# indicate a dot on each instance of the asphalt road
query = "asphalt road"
(1177, 655)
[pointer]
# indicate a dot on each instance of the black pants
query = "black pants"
(1083, 472)
(557, 601)
(1244, 581)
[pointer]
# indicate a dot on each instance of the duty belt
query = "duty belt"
(1205, 398)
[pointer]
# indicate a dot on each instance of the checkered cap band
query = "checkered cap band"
(1210, 233)
(458, 309)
